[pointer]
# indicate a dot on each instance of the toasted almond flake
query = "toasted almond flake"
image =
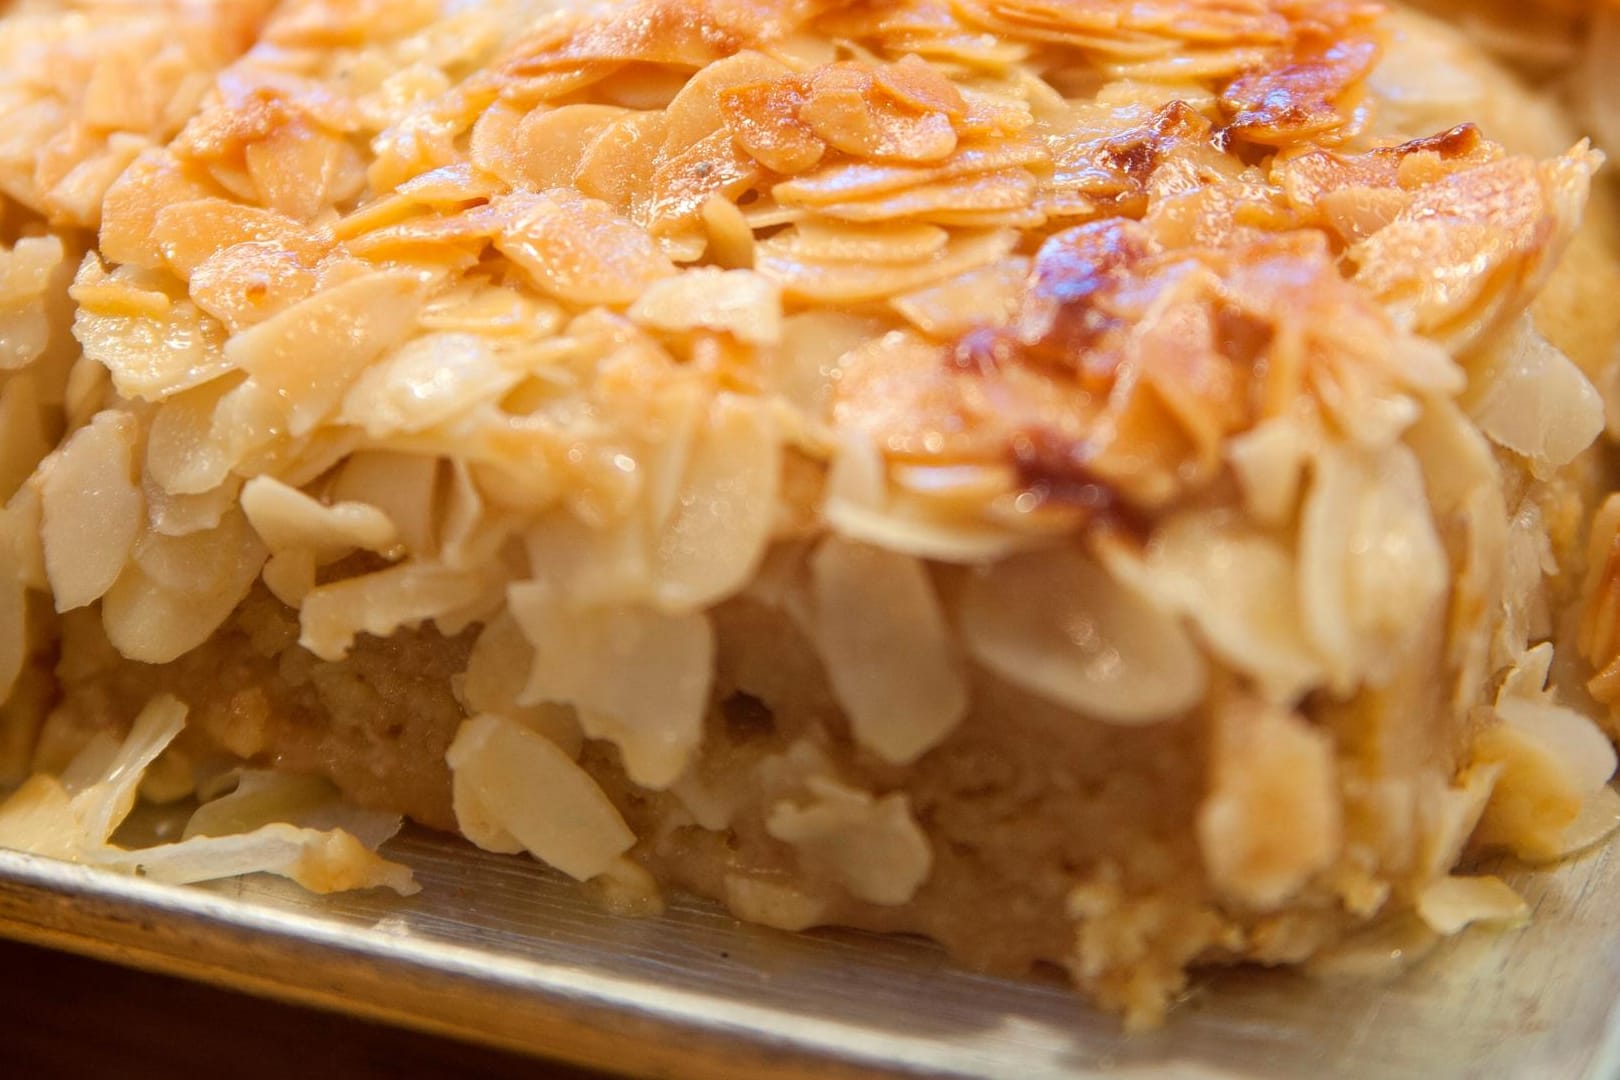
(548, 145)
(872, 846)
(1387, 947)
(684, 182)
(638, 678)
(28, 272)
(447, 188)
(1598, 820)
(858, 505)
(1599, 637)
(427, 381)
(1464, 480)
(102, 806)
(518, 782)
(1236, 584)
(1456, 458)
(580, 250)
(247, 431)
(202, 560)
(262, 797)
(696, 112)
(405, 487)
(493, 312)
(91, 509)
(626, 889)
(21, 542)
(715, 537)
(846, 107)
(155, 624)
(1553, 760)
(476, 822)
(731, 239)
(1571, 739)
(118, 297)
(803, 367)
(773, 903)
(1452, 903)
(738, 302)
(1449, 813)
(286, 518)
(24, 336)
(882, 634)
(247, 283)
(322, 862)
(27, 267)
(188, 234)
(1057, 624)
(156, 353)
(908, 531)
(1372, 569)
(151, 183)
(818, 240)
(309, 354)
(965, 487)
(617, 167)
(290, 575)
(469, 536)
(1534, 401)
(853, 282)
(38, 818)
(182, 455)
(591, 566)
(685, 242)
(1528, 562)
(986, 297)
(380, 603)
(1469, 248)
(861, 180)
(1269, 461)
(496, 676)
(492, 149)
(954, 201)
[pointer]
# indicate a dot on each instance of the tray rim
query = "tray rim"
(437, 987)
(523, 1004)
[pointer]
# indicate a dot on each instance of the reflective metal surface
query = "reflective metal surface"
(498, 950)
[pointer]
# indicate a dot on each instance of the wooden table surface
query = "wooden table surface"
(67, 1017)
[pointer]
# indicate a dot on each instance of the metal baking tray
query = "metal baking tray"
(499, 950)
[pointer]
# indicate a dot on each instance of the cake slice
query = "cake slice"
(1102, 485)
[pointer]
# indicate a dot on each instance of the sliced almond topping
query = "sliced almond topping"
(1058, 625)
(638, 678)
(581, 250)
(309, 354)
(716, 535)
(92, 509)
(514, 790)
(888, 651)
(286, 518)
(872, 845)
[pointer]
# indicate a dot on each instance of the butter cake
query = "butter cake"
(1098, 484)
